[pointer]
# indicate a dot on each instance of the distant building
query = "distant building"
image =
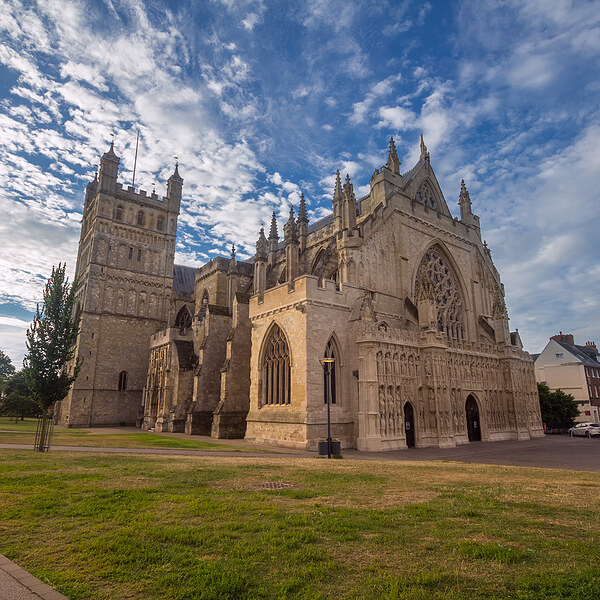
(573, 369)
(400, 293)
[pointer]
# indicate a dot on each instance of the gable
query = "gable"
(421, 185)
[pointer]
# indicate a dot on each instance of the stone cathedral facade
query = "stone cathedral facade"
(402, 295)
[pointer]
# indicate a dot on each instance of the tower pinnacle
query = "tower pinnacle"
(424, 151)
(393, 162)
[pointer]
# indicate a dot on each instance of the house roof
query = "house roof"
(585, 355)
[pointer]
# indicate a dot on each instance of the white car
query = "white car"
(585, 429)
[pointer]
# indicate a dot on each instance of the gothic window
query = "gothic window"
(119, 213)
(139, 257)
(203, 305)
(330, 352)
(140, 218)
(130, 253)
(425, 195)
(276, 368)
(183, 320)
(160, 223)
(448, 299)
(123, 381)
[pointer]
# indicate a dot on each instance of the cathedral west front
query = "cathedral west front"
(399, 294)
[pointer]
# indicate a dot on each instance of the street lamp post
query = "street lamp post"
(327, 364)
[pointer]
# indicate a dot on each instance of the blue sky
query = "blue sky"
(264, 100)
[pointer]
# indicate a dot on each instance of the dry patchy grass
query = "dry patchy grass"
(111, 527)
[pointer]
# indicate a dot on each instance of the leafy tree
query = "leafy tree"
(559, 410)
(6, 367)
(16, 399)
(48, 365)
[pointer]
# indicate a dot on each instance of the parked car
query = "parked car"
(585, 429)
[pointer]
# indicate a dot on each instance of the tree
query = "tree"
(559, 410)
(48, 365)
(16, 399)
(6, 367)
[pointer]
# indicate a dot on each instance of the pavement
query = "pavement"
(550, 451)
(18, 584)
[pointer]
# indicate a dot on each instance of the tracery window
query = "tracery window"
(183, 320)
(330, 352)
(276, 368)
(448, 299)
(425, 195)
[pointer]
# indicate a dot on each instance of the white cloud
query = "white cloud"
(12, 334)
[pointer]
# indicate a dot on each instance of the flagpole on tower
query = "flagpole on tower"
(135, 160)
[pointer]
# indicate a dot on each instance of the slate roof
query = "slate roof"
(183, 280)
(585, 355)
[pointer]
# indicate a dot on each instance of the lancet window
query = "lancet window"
(123, 381)
(329, 381)
(276, 368)
(448, 299)
(425, 195)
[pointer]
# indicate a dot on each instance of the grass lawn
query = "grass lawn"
(23, 432)
(158, 527)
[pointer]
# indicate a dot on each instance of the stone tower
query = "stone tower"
(125, 270)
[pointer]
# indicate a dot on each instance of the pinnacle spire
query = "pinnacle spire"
(290, 229)
(338, 186)
(464, 200)
(110, 154)
(393, 162)
(176, 174)
(424, 151)
(262, 246)
(232, 262)
(302, 216)
(273, 233)
(348, 187)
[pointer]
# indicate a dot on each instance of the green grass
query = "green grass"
(23, 432)
(156, 527)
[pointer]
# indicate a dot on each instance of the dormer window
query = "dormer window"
(140, 218)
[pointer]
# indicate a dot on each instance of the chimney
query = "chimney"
(591, 346)
(566, 338)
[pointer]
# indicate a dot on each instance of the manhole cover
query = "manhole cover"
(275, 485)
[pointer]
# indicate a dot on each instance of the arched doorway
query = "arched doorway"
(473, 422)
(409, 425)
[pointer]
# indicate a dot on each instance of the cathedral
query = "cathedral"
(399, 297)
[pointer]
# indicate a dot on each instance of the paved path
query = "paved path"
(552, 451)
(18, 584)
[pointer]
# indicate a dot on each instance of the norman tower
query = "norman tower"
(125, 269)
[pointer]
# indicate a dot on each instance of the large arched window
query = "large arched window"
(276, 368)
(330, 381)
(448, 299)
(183, 320)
